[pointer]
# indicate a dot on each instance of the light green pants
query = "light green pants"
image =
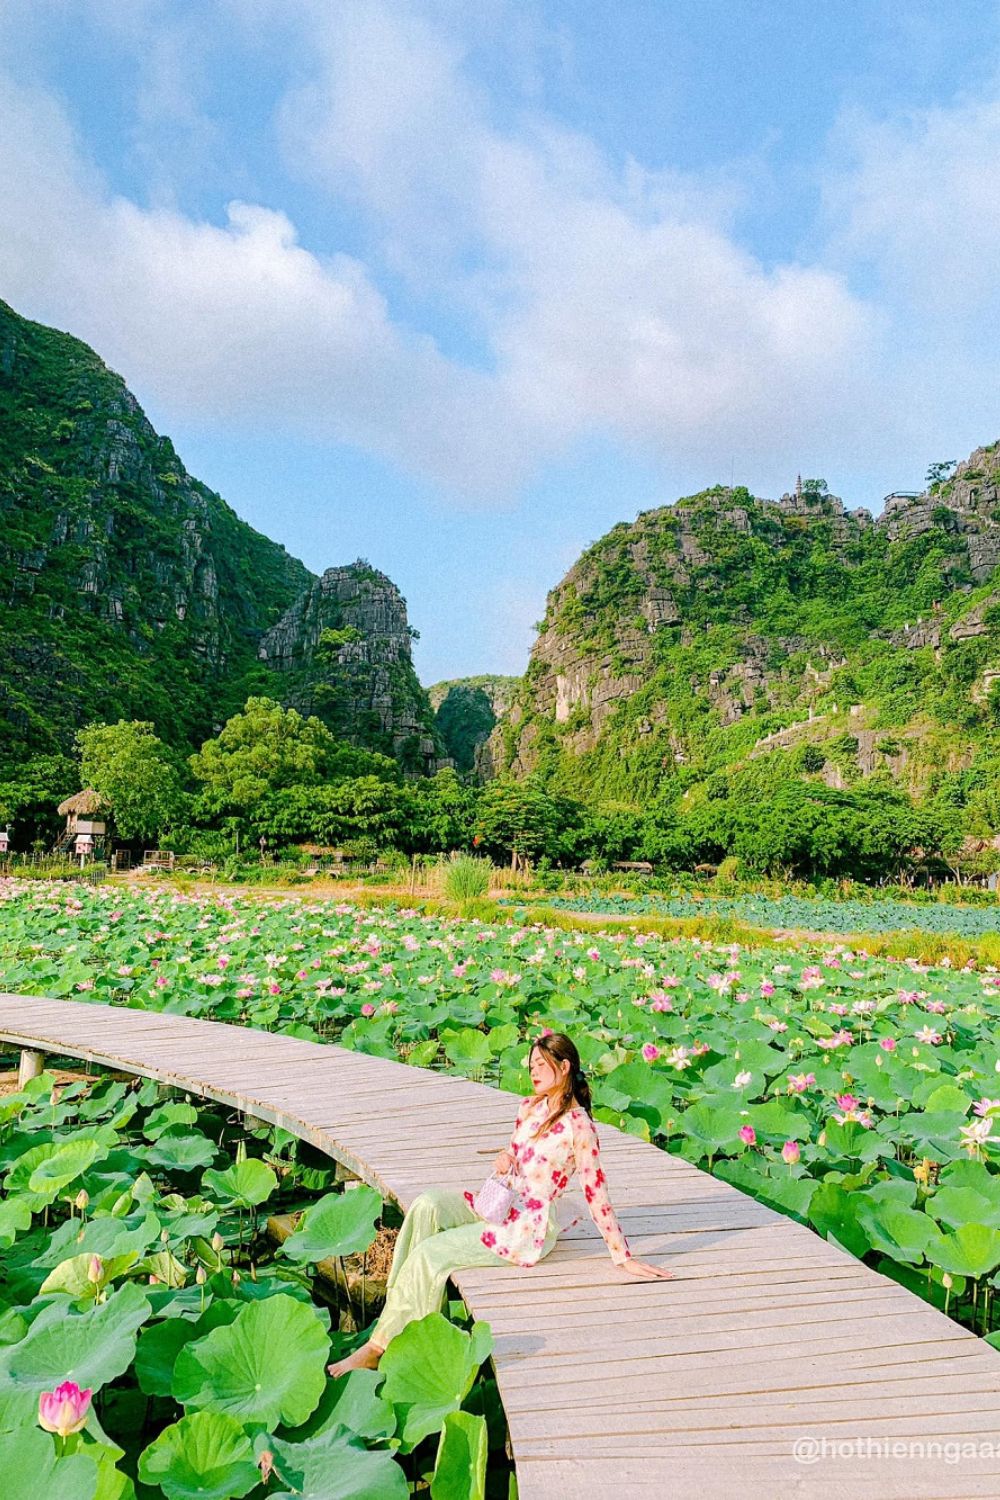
(439, 1235)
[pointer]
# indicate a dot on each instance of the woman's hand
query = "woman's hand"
(642, 1270)
(504, 1163)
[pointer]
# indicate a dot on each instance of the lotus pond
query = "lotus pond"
(154, 1344)
(803, 912)
(859, 1095)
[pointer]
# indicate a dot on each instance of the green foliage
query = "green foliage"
(206, 1454)
(331, 642)
(132, 1290)
(112, 614)
(261, 750)
(137, 775)
(338, 1224)
(267, 1366)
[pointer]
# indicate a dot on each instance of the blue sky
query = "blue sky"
(456, 287)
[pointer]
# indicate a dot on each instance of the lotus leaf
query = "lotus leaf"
(206, 1456)
(429, 1369)
(267, 1366)
(31, 1469)
(460, 1470)
(246, 1184)
(333, 1466)
(89, 1348)
(337, 1224)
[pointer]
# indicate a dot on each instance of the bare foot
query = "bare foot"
(365, 1358)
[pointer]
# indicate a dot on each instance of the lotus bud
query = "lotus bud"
(946, 1281)
(81, 1200)
(265, 1464)
(217, 1242)
(200, 1276)
(236, 1277)
(164, 1236)
(95, 1270)
(64, 1410)
(791, 1152)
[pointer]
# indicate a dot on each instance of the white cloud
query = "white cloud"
(602, 299)
(919, 198)
(238, 322)
(610, 299)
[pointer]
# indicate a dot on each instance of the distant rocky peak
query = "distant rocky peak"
(345, 648)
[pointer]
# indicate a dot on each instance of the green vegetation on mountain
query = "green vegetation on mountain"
(132, 592)
(467, 711)
(726, 656)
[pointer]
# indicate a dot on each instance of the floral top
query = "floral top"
(543, 1170)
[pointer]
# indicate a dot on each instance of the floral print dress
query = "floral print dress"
(541, 1175)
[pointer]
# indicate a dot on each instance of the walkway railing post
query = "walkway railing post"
(32, 1063)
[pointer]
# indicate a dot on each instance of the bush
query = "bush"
(468, 878)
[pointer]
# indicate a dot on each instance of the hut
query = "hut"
(86, 829)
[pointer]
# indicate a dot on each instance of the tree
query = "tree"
(263, 749)
(30, 795)
(938, 473)
(136, 773)
(519, 819)
(442, 814)
(361, 808)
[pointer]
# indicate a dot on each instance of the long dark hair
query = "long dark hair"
(558, 1048)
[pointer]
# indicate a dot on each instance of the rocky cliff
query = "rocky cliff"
(466, 711)
(726, 610)
(131, 590)
(343, 651)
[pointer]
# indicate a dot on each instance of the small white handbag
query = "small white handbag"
(494, 1199)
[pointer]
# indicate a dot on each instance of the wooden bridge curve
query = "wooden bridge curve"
(774, 1364)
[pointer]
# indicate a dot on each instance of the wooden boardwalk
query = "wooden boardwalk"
(689, 1389)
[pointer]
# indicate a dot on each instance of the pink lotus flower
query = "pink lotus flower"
(661, 1003)
(748, 1134)
(368, 1009)
(887, 1043)
(650, 1052)
(985, 1106)
(847, 1101)
(767, 988)
(928, 1034)
(791, 1152)
(64, 1410)
(799, 1082)
(274, 989)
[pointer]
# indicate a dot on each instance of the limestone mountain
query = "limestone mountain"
(726, 627)
(131, 590)
(466, 711)
(343, 651)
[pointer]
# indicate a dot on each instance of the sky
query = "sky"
(456, 285)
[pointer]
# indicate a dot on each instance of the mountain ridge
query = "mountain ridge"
(134, 591)
(678, 641)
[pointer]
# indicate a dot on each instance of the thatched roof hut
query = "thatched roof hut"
(85, 804)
